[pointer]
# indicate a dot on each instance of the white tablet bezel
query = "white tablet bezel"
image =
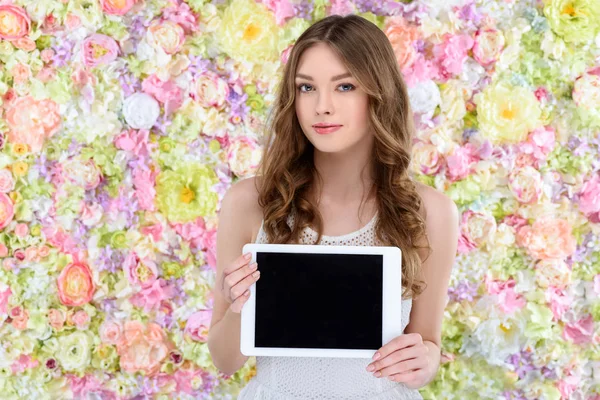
(391, 301)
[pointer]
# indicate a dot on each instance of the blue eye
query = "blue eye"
(347, 84)
(301, 86)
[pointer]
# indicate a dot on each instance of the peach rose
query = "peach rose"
(20, 72)
(117, 7)
(402, 35)
(14, 22)
(21, 230)
(47, 55)
(75, 285)
(166, 35)
(31, 121)
(24, 44)
(19, 317)
(81, 319)
(7, 210)
(3, 250)
(110, 332)
(72, 22)
(56, 318)
(7, 181)
(547, 238)
(142, 348)
(99, 49)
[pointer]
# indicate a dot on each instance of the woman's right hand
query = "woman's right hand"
(237, 279)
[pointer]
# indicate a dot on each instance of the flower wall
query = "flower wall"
(124, 123)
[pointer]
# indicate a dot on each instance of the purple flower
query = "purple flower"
(63, 52)
(465, 290)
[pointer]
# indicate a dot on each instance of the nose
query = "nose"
(324, 103)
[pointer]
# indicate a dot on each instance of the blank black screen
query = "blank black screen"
(319, 301)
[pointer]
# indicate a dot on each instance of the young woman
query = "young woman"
(337, 172)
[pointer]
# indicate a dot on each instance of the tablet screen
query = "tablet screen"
(331, 301)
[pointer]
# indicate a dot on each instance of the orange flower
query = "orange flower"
(548, 238)
(142, 348)
(75, 285)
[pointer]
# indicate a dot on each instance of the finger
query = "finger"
(408, 377)
(240, 288)
(401, 367)
(229, 281)
(398, 356)
(400, 342)
(238, 263)
(238, 304)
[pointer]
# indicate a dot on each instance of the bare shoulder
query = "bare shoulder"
(438, 206)
(241, 200)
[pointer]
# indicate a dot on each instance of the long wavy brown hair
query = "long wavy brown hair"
(287, 172)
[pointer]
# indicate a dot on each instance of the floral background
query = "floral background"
(124, 122)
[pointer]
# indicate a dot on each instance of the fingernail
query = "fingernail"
(248, 256)
(256, 274)
(377, 374)
(253, 265)
(370, 368)
(376, 356)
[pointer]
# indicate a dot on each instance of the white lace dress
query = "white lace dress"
(308, 378)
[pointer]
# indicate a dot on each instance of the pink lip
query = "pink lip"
(325, 129)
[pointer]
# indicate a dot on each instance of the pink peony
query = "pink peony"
(282, 9)
(580, 331)
(140, 272)
(117, 7)
(142, 348)
(452, 53)
(14, 22)
(402, 35)
(547, 238)
(166, 92)
(99, 49)
(198, 324)
(589, 196)
(31, 121)
(7, 210)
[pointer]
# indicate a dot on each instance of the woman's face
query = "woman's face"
(326, 93)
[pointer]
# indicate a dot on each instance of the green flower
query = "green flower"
(464, 192)
(255, 102)
(172, 270)
(539, 324)
(74, 351)
(574, 20)
(186, 193)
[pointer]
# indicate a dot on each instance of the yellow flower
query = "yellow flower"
(574, 20)
(507, 114)
(248, 32)
(20, 168)
(20, 149)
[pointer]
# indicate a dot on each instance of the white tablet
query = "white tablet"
(322, 301)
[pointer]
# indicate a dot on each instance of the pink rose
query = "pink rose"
(198, 324)
(4, 296)
(117, 7)
(75, 285)
(589, 196)
(21, 230)
(508, 300)
(568, 385)
(243, 155)
(154, 231)
(426, 158)
(140, 272)
(22, 363)
(3, 250)
(488, 45)
(81, 319)
(7, 182)
(341, 7)
(99, 49)
(19, 317)
(401, 36)
(144, 187)
(31, 121)
(110, 332)
(182, 15)
(476, 229)
(46, 74)
(73, 22)
(56, 318)
(26, 44)
(14, 22)
(166, 92)
(21, 73)
(47, 55)
(580, 331)
(547, 238)
(7, 210)
(525, 184)
(142, 348)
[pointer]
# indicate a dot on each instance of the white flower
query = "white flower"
(141, 110)
(424, 97)
(74, 352)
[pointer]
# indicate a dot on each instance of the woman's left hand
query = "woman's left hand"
(404, 359)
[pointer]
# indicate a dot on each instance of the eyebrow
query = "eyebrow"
(335, 78)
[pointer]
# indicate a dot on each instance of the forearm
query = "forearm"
(224, 344)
